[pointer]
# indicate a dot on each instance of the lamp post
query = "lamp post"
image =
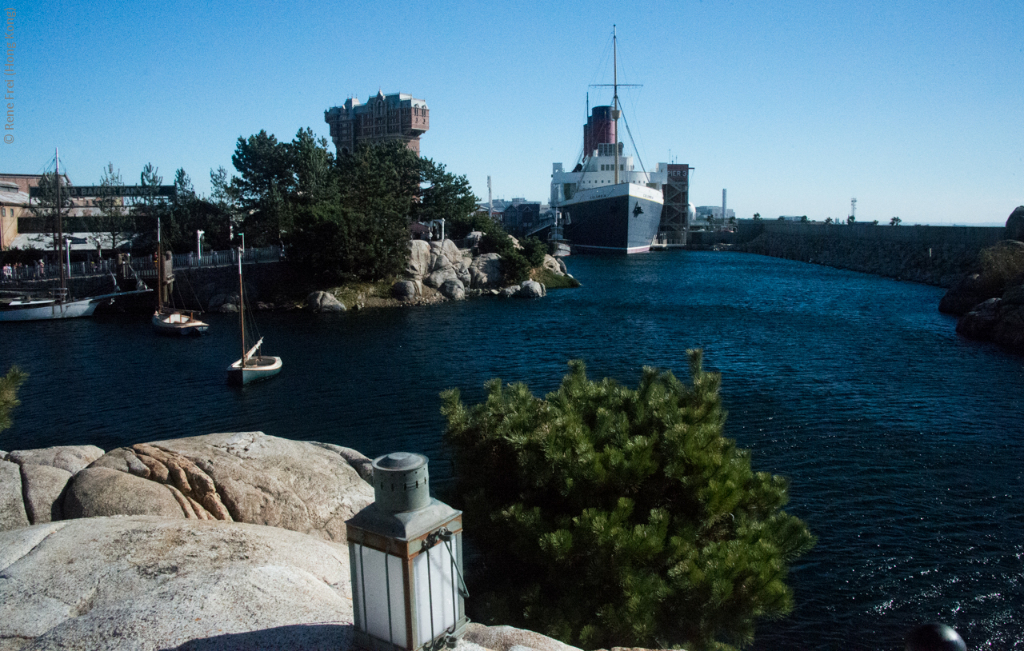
(199, 248)
(405, 554)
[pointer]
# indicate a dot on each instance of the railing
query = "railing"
(145, 267)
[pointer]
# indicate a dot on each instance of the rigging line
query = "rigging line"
(635, 150)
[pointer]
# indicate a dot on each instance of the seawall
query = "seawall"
(933, 255)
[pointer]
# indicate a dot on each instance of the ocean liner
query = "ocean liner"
(605, 204)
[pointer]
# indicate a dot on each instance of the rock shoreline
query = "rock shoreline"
(223, 541)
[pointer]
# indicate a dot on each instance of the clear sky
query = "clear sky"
(916, 108)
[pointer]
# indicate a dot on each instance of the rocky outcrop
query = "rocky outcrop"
(486, 271)
(963, 296)
(453, 290)
(145, 582)
(244, 477)
(406, 290)
(71, 458)
(324, 302)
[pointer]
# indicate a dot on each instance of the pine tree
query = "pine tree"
(608, 516)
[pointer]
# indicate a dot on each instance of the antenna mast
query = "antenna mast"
(615, 98)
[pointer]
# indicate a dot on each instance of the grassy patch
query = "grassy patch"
(552, 280)
(349, 293)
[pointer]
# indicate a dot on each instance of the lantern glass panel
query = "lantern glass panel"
(381, 583)
(436, 590)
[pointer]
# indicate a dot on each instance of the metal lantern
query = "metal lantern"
(405, 554)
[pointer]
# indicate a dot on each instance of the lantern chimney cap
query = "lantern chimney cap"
(400, 461)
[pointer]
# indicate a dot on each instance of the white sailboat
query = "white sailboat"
(253, 365)
(60, 304)
(167, 320)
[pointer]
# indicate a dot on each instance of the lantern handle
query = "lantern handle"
(444, 534)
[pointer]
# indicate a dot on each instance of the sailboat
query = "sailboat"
(253, 365)
(167, 320)
(60, 304)
(606, 206)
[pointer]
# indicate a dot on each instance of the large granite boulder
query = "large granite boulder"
(12, 505)
(531, 289)
(324, 302)
(971, 291)
(145, 582)
(419, 259)
(1015, 225)
(406, 290)
(453, 290)
(554, 265)
(978, 323)
(250, 477)
(508, 638)
(485, 272)
(437, 278)
(43, 491)
(101, 491)
(66, 457)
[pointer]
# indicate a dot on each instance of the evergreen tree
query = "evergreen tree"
(113, 225)
(9, 394)
(45, 207)
(615, 517)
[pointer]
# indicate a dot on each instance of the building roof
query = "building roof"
(79, 241)
(12, 196)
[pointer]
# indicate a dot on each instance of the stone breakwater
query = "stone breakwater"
(224, 541)
(932, 255)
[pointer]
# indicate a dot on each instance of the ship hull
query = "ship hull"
(621, 218)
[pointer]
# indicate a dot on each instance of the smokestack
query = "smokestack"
(723, 205)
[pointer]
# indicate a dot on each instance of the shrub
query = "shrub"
(1003, 264)
(628, 518)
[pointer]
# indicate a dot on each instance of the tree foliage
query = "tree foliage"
(608, 516)
(9, 385)
(113, 224)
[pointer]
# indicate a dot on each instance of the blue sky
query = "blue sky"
(916, 108)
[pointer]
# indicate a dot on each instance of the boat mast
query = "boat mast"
(159, 270)
(60, 225)
(615, 97)
(241, 306)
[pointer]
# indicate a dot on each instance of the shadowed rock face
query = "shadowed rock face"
(1015, 225)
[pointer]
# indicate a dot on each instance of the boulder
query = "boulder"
(324, 302)
(101, 491)
(1009, 327)
(967, 293)
(508, 292)
(978, 323)
(12, 505)
(453, 290)
(473, 239)
(66, 457)
(485, 272)
(419, 259)
(254, 478)
(506, 638)
(554, 265)
(405, 290)
(531, 289)
(151, 583)
(440, 277)
(1015, 225)
(43, 488)
(359, 461)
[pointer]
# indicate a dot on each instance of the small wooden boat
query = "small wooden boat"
(167, 320)
(253, 365)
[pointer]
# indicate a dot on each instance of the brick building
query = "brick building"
(383, 117)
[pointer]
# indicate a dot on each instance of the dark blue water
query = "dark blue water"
(903, 443)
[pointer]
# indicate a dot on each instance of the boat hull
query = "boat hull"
(176, 324)
(45, 310)
(621, 218)
(257, 368)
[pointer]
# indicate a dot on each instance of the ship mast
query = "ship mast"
(60, 225)
(615, 97)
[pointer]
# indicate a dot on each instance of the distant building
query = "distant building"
(715, 212)
(382, 118)
(19, 226)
